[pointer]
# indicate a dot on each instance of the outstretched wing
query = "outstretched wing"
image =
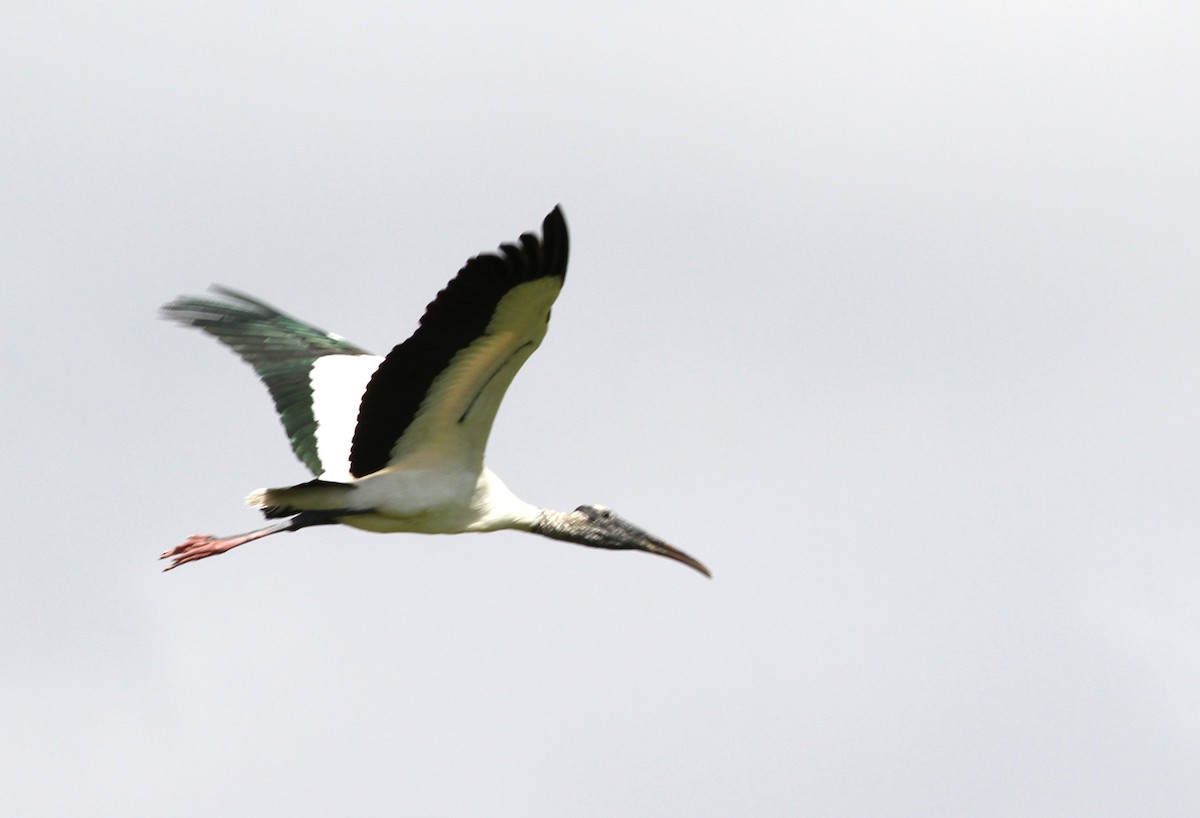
(436, 394)
(316, 378)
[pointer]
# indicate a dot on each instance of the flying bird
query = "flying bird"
(396, 443)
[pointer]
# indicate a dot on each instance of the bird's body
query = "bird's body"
(396, 443)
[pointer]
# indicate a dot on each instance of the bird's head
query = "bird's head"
(599, 527)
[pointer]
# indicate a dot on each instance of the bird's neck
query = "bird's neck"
(498, 508)
(559, 525)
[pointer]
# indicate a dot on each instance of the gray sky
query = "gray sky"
(886, 312)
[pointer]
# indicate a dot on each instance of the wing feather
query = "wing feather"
(439, 390)
(283, 351)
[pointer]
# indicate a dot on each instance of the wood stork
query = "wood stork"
(396, 443)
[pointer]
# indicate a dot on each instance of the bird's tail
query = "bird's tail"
(315, 495)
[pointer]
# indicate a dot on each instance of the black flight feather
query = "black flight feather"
(460, 314)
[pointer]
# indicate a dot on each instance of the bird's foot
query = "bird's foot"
(199, 546)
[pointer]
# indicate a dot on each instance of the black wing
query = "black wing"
(442, 386)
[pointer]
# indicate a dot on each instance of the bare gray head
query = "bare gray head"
(599, 527)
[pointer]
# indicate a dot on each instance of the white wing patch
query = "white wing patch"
(338, 383)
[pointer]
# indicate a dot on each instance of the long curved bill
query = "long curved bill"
(623, 534)
(656, 546)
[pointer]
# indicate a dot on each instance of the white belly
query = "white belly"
(437, 502)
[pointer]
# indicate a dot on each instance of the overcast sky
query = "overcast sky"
(886, 312)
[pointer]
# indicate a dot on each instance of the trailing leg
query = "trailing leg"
(199, 546)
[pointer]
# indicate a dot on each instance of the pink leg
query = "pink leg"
(199, 546)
